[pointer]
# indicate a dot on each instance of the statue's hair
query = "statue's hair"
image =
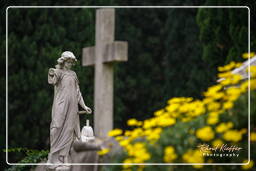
(64, 57)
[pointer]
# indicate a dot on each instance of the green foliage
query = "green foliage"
(32, 156)
(184, 69)
(164, 60)
(32, 51)
(224, 31)
(144, 67)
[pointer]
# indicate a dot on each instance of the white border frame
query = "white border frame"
(165, 164)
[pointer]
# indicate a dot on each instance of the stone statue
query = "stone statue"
(65, 125)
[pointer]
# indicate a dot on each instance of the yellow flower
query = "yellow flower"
(165, 121)
(149, 123)
(252, 84)
(243, 131)
(211, 91)
(228, 105)
(227, 67)
(238, 64)
(119, 138)
(226, 81)
(224, 127)
(197, 108)
(127, 163)
(133, 122)
(103, 151)
(159, 112)
(173, 107)
(154, 135)
(252, 71)
(233, 93)
(193, 156)
(218, 95)
(136, 133)
(128, 133)
(179, 100)
(253, 136)
(208, 100)
(186, 119)
(197, 166)
(138, 152)
(206, 133)
(124, 142)
(115, 132)
(232, 135)
(236, 78)
(212, 119)
(244, 86)
(248, 166)
(169, 154)
(225, 74)
(248, 55)
(217, 142)
(213, 106)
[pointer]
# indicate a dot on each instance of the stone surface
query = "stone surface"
(242, 69)
(112, 52)
(88, 56)
(86, 152)
(103, 55)
(81, 152)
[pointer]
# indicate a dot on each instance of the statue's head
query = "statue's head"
(67, 60)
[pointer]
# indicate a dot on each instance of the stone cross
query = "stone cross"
(103, 55)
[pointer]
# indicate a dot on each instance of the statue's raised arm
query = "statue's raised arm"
(53, 76)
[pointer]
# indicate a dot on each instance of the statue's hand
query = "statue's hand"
(51, 71)
(88, 110)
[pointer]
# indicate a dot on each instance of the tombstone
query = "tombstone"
(242, 70)
(102, 56)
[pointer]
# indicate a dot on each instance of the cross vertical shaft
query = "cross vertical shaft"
(103, 91)
(103, 55)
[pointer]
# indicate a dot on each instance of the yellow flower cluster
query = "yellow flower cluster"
(252, 71)
(169, 154)
(217, 99)
(103, 151)
(229, 67)
(253, 136)
(137, 154)
(213, 118)
(217, 142)
(134, 122)
(234, 135)
(115, 132)
(193, 156)
(206, 133)
(247, 166)
(248, 55)
(222, 127)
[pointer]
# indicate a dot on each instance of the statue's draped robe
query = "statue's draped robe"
(65, 125)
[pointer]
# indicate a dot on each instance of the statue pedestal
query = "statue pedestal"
(86, 152)
(81, 152)
(63, 168)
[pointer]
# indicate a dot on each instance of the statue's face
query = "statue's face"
(68, 64)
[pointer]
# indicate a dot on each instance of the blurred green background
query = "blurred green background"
(172, 52)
